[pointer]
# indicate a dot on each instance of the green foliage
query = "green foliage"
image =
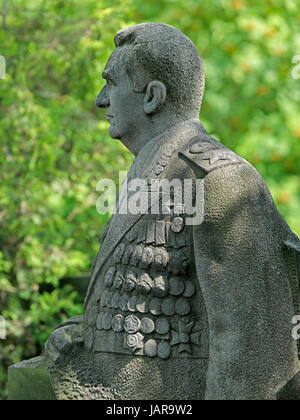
(54, 149)
(251, 102)
(54, 146)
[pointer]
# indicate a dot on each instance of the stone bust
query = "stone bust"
(181, 310)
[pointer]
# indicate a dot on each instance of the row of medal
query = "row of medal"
(132, 324)
(156, 306)
(148, 257)
(158, 285)
(135, 330)
(159, 232)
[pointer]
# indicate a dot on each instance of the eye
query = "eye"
(110, 82)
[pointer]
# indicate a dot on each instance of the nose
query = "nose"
(102, 100)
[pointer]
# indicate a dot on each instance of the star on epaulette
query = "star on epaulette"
(215, 155)
(201, 147)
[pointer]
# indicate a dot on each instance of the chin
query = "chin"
(114, 134)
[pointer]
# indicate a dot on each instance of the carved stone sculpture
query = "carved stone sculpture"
(180, 309)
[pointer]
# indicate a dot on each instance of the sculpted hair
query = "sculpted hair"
(155, 51)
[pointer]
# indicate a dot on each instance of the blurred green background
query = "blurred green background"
(54, 145)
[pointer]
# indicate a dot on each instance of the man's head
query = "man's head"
(161, 73)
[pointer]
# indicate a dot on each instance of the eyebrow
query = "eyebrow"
(107, 76)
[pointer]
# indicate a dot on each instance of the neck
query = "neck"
(151, 128)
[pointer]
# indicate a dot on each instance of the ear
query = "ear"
(155, 97)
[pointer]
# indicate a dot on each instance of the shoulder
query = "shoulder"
(207, 154)
(218, 165)
(229, 179)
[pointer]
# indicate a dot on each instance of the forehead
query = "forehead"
(115, 67)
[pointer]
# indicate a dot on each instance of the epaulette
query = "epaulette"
(208, 154)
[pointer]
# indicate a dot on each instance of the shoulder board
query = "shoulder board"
(208, 154)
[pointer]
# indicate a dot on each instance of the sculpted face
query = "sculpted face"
(124, 106)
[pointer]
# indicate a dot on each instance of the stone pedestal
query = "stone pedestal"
(30, 381)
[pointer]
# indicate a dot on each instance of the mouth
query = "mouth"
(109, 118)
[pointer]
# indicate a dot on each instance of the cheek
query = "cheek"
(118, 101)
(135, 105)
(126, 105)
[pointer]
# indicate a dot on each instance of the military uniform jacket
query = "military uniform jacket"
(223, 291)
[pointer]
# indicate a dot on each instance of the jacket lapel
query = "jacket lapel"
(120, 224)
